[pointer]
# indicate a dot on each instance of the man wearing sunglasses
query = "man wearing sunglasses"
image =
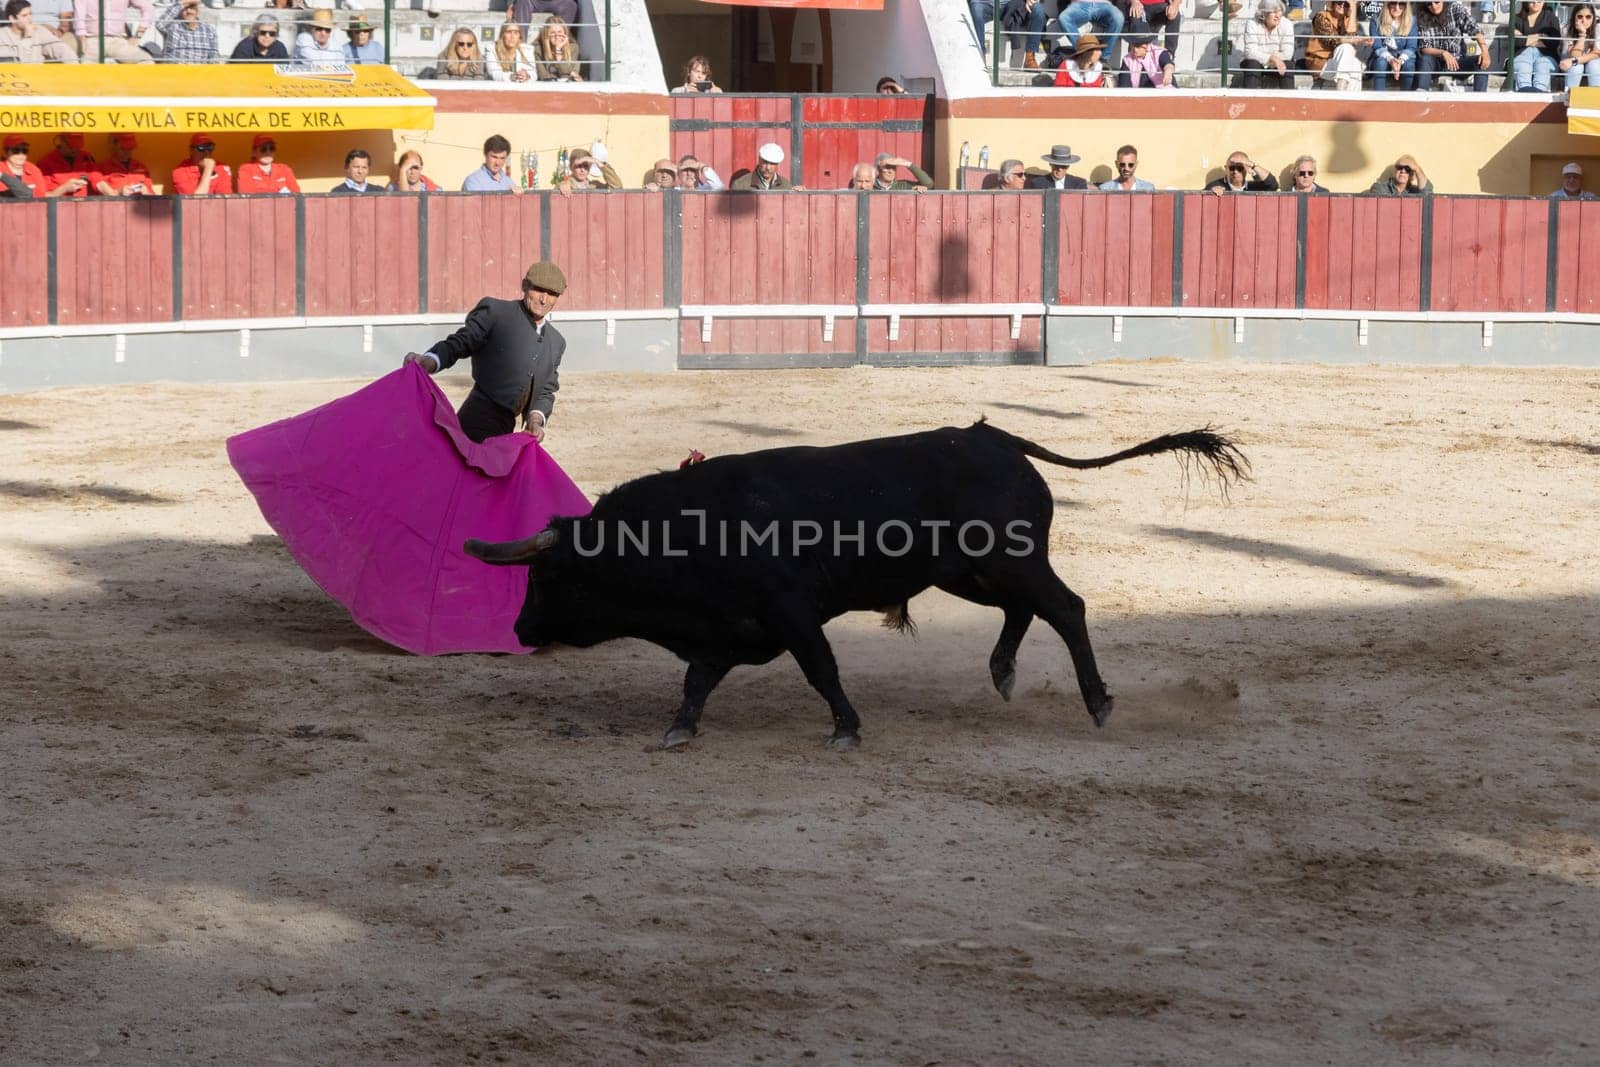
(264, 174)
(515, 355)
(263, 44)
(1127, 180)
(201, 174)
(1243, 175)
(1305, 176)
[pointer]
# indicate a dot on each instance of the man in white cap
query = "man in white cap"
(766, 175)
(1572, 185)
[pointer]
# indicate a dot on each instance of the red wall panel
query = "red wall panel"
(1489, 255)
(479, 246)
(114, 261)
(24, 280)
(238, 257)
(610, 246)
(1578, 256)
(1362, 253)
(361, 255)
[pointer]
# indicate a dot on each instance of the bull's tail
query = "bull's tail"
(1214, 452)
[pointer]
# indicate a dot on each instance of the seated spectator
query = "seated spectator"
(1158, 13)
(1060, 158)
(664, 175)
(697, 77)
(201, 174)
(1012, 177)
(888, 85)
(121, 42)
(513, 61)
(1331, 49)
(70, 166)
(1025, 20)
(461, 59)
(1243, 175)
(765, 176)
(1536, 42)
(57, 15)
(555, 53)
(1100, 15)
(357, 175)
(187, 39)
(888, 165)
(1572, 184)
(20, 178)
(122, 175)
(1394, 47)
(1268, 49)
(1305, 176)
(315, 45)
(1407, 179)
(1127, 181)
(1583, 57)
(263, 44)
(1083, 69)
(24, 42)
(699, 177)
(264, 174)
(862, 177)
(1444, 28)
(581, 176)
(1145, 66)
(362, 47)
(493, 176)
(409, 177)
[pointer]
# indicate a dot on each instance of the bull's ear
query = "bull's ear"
(510, 553)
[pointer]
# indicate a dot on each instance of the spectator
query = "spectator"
(1126, 180)
(1060, 158)
(1268, 49)
(1243, 175)
(1571, 184)
(122, 175)
(357, 172)
(888, 165)
(1162, 13)
(263, 44)
(461, 59)
(1331, 49)
(1536, 36)
(1415, 183)
(492, 177)
(408, 176)
(697, 77)
(662, 176)
(766, 175)
(1394, 46)
(69, 168)
(692, 174)
(565, 10)
(201, 174)
(122, 45)
(513, 61)
(264, 174)
(56, 15)
(315, 44)
(889, 85)
(1443, 29)
(1145, 66)
(1582, 55)
(1099, 15)
(20, 178)
(861, 177)
(1025, 18)
(24, 42)
(187, 39)
(1012, 177)
(1083, 69)
(555, 53)
(362, 47)
(1305, 176)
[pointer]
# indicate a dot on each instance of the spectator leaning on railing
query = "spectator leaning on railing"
(1414, 182)
(1127, 180)
(187, 39)
(25, 42)
(262, 44)
(512, 60)
(493, 177)
(122, 43)
(461, 60)
(1572, 185)
(409, 177)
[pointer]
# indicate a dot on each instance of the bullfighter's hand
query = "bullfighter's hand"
(535, 425)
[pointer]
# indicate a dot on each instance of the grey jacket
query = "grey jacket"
(512, 363)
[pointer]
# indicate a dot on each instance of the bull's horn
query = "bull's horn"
(510, 553)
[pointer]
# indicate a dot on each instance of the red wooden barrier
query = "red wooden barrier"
(1489, 255)
(1238, 251)
(610, 246)
(114, 261)
(700, 127)
(1364, 253)
(837, 132)
(24, 279)
(238, 257)
(1116, 251)
(955, 248)
(1578, 256)
(361, 255)
(479, 246)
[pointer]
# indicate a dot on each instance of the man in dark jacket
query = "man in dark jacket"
(1060, 158)
(516, 358)
(263, 45)
(1243, 175)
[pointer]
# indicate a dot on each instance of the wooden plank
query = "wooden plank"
(1568, 254)
(1342, 253)
(1093, 262)
(1588, 271)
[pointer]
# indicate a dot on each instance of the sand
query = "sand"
(1345, 810)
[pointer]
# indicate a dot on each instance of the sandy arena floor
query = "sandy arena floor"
(1346, 810)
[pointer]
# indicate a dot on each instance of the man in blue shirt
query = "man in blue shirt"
(362, 48)
(493, 176)
(1126, 181)
(357, 165)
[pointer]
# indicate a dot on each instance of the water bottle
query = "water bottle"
(966, 153)
(533, 170)
(983, 158)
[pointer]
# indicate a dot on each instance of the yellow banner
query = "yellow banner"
(1583, 111)
(222, 98)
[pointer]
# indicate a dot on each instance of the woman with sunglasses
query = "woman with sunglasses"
(1445, 28)
(462, 59)
(1583, 57)
(1407, 179)
(1394, 47)
(262, 44)
(555, 53)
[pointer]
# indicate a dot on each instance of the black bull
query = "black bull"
(742, 558)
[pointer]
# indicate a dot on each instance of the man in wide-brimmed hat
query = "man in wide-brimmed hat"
(316, 45)
(362, 47)
(1060, 158)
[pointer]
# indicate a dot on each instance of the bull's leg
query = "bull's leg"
(809, 646)
(1063, 610)
(698, 682)
(1003, 660)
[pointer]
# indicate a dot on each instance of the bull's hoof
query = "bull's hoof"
(844, 741)
(1101, 711)
(1004, 679)
(677, 737)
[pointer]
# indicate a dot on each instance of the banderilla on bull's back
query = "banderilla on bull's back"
(959, 509)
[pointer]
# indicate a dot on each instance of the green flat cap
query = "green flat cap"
(546, 275)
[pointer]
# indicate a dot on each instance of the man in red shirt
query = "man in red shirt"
(122, 175)
(18, 177)
(201, 174)
(263, 174)
(69, 168)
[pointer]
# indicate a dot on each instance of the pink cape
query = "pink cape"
(374, 494)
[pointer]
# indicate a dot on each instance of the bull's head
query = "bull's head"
(551, 611)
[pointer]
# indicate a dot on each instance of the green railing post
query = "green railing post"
(388, 30)
(608, 40)
(1223, 46)
(102, 34)
(995, 58)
